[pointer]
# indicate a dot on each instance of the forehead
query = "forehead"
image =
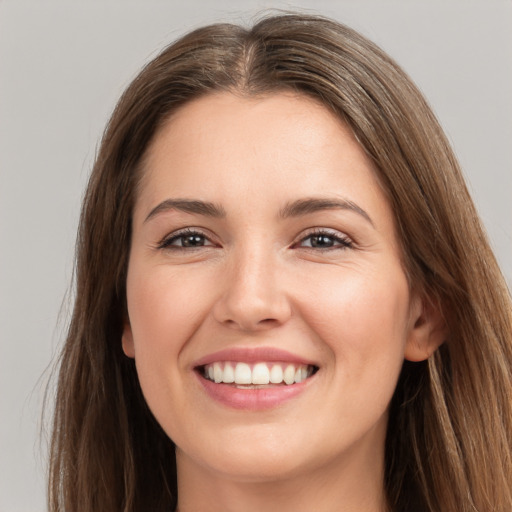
(234, 149)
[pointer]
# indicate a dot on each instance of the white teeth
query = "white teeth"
(276, 374)
(229, 374)
(289, 374)
(243, 374)
(258, 374)
(217, 372)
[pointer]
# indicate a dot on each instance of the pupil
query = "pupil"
(321, 241)
(192, 241)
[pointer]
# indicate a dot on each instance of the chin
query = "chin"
(253, 455)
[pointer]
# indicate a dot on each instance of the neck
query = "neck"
(348, 485)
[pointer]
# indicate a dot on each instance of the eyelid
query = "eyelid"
(345, 242)
(165, 242)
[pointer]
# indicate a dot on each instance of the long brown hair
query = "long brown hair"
(449, 436)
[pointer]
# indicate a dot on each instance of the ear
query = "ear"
(127, 340)
(428, 329)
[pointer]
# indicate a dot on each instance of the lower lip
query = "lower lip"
(252, 399)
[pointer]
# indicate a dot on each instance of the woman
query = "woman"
(285, 298)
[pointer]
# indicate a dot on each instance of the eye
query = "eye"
(188, 239)
(322, 239)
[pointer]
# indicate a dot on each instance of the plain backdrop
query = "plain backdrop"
(62, 67)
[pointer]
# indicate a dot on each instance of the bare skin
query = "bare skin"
(260, 226)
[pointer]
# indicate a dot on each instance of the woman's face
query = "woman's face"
(269, 313)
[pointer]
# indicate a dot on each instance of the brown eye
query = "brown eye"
(184, 240)
(321, 241)
(191, 240)
(325, 240)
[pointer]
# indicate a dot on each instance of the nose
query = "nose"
(253, 297)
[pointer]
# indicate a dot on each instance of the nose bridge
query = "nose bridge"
(253, 298)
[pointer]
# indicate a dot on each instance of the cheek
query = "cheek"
(164, 309)
(363, 322)
(363, 318)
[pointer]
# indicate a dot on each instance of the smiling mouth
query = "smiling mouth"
(257, 375)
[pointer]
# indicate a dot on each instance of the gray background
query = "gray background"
(62, 67)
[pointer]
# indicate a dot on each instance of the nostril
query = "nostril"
(268, 321)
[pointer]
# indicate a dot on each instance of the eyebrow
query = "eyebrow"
(189, 206)
(313, 204)
(294, 209)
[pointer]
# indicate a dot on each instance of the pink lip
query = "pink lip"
(252, 399)
(252, 355)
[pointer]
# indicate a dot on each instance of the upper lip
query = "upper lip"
(252, 355)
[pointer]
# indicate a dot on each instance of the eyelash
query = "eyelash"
(166, 243)
(343, 241)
